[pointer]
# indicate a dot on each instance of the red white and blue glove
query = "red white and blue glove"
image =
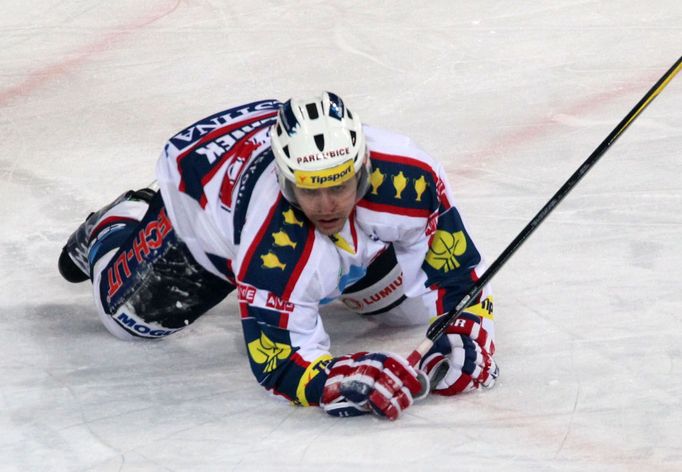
(462, 358)
(380, 383)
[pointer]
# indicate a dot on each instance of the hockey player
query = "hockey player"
(295, 205)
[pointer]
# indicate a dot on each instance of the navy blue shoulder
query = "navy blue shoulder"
(401, 185)
(247, 182)
(280, 251)
(190, 135)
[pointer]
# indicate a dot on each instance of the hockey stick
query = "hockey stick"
(439, 326)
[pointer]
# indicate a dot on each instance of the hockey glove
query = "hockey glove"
(462, 358)
(380, 383)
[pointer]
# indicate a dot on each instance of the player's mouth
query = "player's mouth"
(329, 225)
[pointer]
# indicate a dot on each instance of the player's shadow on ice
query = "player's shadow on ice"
(350, 332)
(73, 320)
(68, 323)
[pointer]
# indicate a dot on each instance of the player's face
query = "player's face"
(328, 208)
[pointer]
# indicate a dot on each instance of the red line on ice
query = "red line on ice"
(38, 77)
(505, 142)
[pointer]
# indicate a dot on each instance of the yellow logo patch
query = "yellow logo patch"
(265, 351)
(483, 309)
(282, 239)
(271, 261)
(310, 373)
(445, 247)
(324, 178)
(375, 180)
(420, 186)
(399, 184)
(341, 243)
(290, 218)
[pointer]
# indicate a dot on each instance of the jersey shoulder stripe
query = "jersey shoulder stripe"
(280, 250)
(401, 185)
(247, 182)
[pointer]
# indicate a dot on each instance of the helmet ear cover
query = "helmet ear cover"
(317, 142)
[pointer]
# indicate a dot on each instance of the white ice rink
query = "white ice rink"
(511, 96)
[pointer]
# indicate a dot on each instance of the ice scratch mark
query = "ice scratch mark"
(342, 43)
(573, 410)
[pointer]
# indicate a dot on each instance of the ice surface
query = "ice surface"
(510, 96)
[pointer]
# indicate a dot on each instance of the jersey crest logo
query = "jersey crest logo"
(399, 184)
(282, 239)
(444, 249)
(376, 178)
(265, 351)
(271, 261)
(290, 218)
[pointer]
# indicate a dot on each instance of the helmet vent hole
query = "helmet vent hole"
(285, 149)
(279, 130)
(353, 137)
(319, 142)
(311, 108)
(350, 115)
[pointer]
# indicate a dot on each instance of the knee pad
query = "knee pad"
(151, 286)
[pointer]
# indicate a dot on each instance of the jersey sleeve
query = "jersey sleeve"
(287, 345)
(453, 263)
(413, 204)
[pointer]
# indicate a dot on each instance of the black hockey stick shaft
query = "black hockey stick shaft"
(438, 327)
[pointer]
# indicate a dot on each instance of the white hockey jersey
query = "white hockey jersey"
(218, 182)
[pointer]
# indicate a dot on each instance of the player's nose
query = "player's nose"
(326, 202)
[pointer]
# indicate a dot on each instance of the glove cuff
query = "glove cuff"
(435, 366)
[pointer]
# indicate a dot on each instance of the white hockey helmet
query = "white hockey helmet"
(317, 142)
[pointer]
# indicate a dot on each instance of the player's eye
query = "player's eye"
(344, 187)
